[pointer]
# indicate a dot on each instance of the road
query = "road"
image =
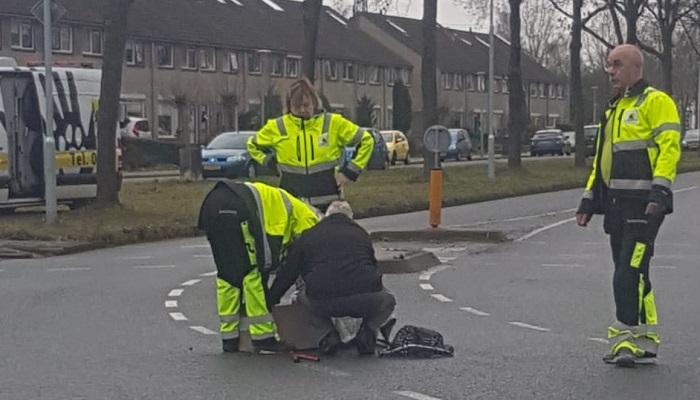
(527, 319)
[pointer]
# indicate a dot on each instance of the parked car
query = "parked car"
(691, 139)
(397, 146)
(460, 145)
(590, 132)
(135, 127)
(379, 158)
(547, 141)
(569, 142)
(226, 156)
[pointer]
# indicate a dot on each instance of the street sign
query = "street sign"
(437, 139)
(57, 11)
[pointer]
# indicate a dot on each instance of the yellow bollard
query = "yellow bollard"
(435, 197)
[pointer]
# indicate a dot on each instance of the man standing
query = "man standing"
(248, 226)
(336, 261)
(638, 149)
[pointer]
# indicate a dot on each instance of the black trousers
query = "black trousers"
(632, 236)
(374, 308)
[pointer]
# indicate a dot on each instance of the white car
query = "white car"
(136, 128)
(691, 139)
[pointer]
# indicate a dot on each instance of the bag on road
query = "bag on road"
(417, 342)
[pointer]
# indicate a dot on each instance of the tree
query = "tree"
(116, 17)
(517, 117)
(576, 92)
(429, 73)
(229, 102)
(273, 103)
(401, 99)
(311, 16)
(365, 112)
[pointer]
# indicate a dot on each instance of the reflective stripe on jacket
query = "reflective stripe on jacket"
(638, 145)
(308, 151)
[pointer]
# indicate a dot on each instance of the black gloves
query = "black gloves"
(586, 207)
(662, 196)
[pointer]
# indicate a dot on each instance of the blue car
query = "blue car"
(548, 141)
(226, 156)
(379, 158)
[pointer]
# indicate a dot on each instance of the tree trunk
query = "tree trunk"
(576, 91)
(517, 120)
(312, 14)
(110, 93)
(667, 58)
(428, 75)
(183, 124)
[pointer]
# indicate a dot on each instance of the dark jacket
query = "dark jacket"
(335, 259)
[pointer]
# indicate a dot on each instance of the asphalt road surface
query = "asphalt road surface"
(527, 319)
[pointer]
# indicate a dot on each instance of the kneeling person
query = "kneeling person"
(248, 225)
(336, 260)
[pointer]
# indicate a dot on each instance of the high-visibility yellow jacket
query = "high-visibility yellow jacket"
(308, 151)
(638, 146)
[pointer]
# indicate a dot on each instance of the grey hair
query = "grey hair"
(339, 207)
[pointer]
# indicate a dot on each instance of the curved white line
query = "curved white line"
(544, 228)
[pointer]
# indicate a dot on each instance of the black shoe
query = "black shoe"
(386, 329)
(329, 344)
(230, 345)
(366, 341)
(270, 346)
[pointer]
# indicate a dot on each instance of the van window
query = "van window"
(142, 126)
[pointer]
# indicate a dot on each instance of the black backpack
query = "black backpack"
(416, 342)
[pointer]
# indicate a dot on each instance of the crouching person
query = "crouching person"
(248, 225)
(341, 277)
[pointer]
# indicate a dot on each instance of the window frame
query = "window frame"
(348, 71)
(203, 54)
(190, 56)
(169, 49)
(330, 69)
(135, 45)
(252, 56)
(18, 24)
(91, 42)
(279, 61)
(292, 61)
(60, 29)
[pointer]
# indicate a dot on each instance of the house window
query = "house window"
(134, 53)
(374, 74)
(389, 76)
(277, 67)
(254, 64)
(164, 55)
(496, 85)
(22, 35)
(95, 42)
(231, 62)
(533, 89)
(331, 70)
(504, 86)
(470, 82)
(541, 91)
(459, 82)
(361, 73)
(62, 39)
(292, 67)
(481, 82)
(190, 59)
(348, 71)
(446, 81)
(560, 91)
(406, 76)
(207, 61)
(552, 91)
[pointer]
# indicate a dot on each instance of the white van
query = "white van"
(22, 112)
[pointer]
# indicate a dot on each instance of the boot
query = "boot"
(625, 350)
(270, 346)
(230, 345)
(329, 344)
(366, 341)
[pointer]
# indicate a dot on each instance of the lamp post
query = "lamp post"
(49, 142)
(491, 167)
(594, 89)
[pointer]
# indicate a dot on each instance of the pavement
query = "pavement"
(527, 317)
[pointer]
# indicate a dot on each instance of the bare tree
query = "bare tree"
(428, 72)
(517, 117)
(116, 17)
(311, 17)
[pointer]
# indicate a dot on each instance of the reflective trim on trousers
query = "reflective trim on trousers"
(258, 317)
(630, 184)
(228, 301)
(588, 194)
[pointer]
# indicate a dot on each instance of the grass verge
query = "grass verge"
(168, 209)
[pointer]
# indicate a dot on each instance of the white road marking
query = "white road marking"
(598, 340)
(564, 265)
(545, 228)
(455, 249)
(446, 260)
(425, 276)
(202, 256)
(324, 369)
(528, 326)
(153, 266)
(137, 258)
(178, 316)
(547, 214)
(415, 395)
(175, 292)
(442, 298)
(190, 282)
(203, 330)
(170, 303)
(664, 266)
(685, 189)
(212, 273)
(474, 311)
(194, 246)
(432, 249)
(426, 286)
(68, 269)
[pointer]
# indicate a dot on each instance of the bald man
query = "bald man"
(637, 151)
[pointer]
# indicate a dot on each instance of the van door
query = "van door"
(24, 134)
